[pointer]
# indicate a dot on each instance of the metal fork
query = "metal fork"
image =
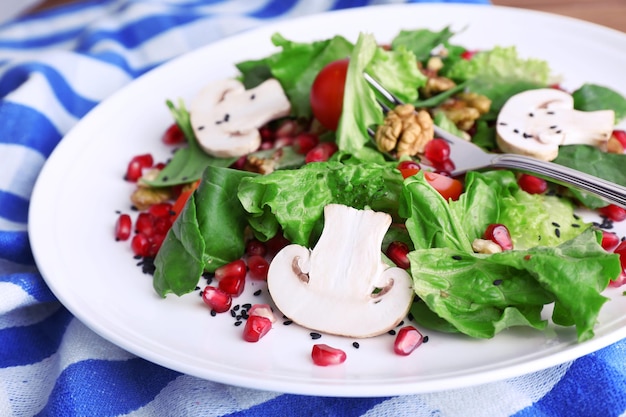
(470, 157)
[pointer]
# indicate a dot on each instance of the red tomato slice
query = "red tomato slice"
(449, 188)
(327, 93)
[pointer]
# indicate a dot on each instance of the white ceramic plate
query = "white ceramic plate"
(74, 205)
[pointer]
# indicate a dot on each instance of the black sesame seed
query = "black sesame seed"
(244, 314)
(165, 178)
(558, 131)
(183, 179)
(410, 316)
(497, 282)
(457, 257)
(425, 339)
(555, 224)
(213, 313)
(197, 288)
(137, 257)
(392, 332)
(527, 135)
(315, 335)
(550, 112)
(238, 323)
(531, 115)
(233, 313)
(247, 306)
(576, 216)
(134, 208)
(287, 322)
(575, 225)
(236, 308)
(252, 97)
(217, 122)
(200, 127)
(118, 212)
(400, 324)
(226, 117)
(503, 124)
(356, 345)
(515, 131)
(553, 127)
(257, 292)
(557, 232)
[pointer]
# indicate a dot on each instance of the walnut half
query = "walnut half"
(405, 131)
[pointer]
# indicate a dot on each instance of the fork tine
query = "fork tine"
(382, 90)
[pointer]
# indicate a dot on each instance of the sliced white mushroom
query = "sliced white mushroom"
(342, 286)
(226, 117)
(537, 122)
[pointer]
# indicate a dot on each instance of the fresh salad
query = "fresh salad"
(293, 172)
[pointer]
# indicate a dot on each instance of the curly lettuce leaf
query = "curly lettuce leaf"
(480, 295)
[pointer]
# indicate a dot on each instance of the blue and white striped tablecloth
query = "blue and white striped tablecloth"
(55, 67)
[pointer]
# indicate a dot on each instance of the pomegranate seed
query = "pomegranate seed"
(437, 151)
(235, 268)
(467, 54)
(621, 251)
(161, 210)
(173, 135)
(233, 285)
(283, 141)
(256, 327)
(145, 224)
(258, 267)
(255, 247)
(156, 242)
(263, 310)
(218, 300)
(498, 233)
(136, 166)
(620, 136)
(532, 184)
(613, 212)
(123, 227)
(321, 152)
(267, 135)
(287, 128)
(304, 142)
(610, 240)
(275, 244)
(324, 355)
(162, 225)
(407, 340)
(397, 252)
(140, 244)
(619, 281)
(240, 163)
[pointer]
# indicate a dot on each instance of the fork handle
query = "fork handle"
(608, 191)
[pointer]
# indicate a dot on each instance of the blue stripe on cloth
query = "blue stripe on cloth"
(22, 125)
(274, 9)
(139, 31)
(72, 102)
(32, 283)
(25, 345)
(15, 247)
(285, 405)
(13, 207)
(590, 377)
(106, 388)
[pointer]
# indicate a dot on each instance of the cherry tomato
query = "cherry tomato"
(327, 93)
(449, 188)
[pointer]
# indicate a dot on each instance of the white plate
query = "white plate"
(74, 205)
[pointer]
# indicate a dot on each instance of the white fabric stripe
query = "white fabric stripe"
(79, 343)
(20, 168)
(9, 226)
(28, 312)
(189, 396)
(16, 55)
(12, 297)
(37, 94)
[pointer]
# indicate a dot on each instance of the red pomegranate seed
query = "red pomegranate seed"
(218, 300)
(240, 163)
(532, 184)
(304, 142)
(407, 340)
(610, 240)
(267, 134)
(235, 268)
(123, 227)
(621, 251)
(324, 355)
(321, 152)
(161, 210)
(255, 247)
(498, 233)
(444, 168)
(256, 327)
(437, 151)
(140, 244)
(275, 244)
(173, 135)
(162, 225)
(263, 310)
(156, 241)
(287, 128)
(258, 267)
(613, 212)
(282, 142)
(136, 166)
(620, 136)
(233, 285)
(145, 224)
(467, 54)
(397, 252)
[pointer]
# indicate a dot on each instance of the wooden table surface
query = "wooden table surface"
(610, 13)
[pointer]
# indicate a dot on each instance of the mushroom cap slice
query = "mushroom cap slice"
(537, 122)
(225, 117)
(342, 286)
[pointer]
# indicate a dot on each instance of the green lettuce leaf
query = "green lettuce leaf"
(591, 97)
